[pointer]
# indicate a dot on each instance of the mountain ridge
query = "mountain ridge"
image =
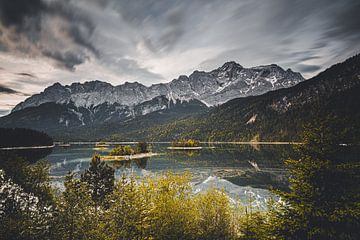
(277, 115)
(229, 81)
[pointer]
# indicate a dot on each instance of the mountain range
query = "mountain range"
(230, 103)
(212, 88)
(94, 104)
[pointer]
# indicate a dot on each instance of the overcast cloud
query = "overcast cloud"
(152, 41)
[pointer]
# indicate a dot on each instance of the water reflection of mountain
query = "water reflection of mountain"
(230, 155)
(276, 178)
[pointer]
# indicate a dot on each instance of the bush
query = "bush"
(122, 150)
(185, 143)
(142, 147)
(166, 208)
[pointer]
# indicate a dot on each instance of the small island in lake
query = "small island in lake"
(185, 144)
(127, 152)
(101, 146)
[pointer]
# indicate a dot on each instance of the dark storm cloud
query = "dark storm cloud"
(346, 22)
(28, 17)
(14, 12)
(7, 90)
(169, 16)
(68, 59)
(156, 40)
(307, 58)
(82, 26)
(26, 74)
(340, 19)
(296, 31)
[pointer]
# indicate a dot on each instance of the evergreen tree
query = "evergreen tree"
(76, 217)
(324, 197)
(22, 215)
(100, 178)
(142, 147)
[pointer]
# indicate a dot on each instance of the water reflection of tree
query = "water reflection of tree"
(30, 155)
(188, 153)
(265, 155)
(140, 163)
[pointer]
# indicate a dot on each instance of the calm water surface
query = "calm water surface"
(238, 169)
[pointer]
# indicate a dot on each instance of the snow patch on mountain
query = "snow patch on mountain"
(252, 119)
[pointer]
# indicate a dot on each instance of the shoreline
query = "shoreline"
(128, 157)
(26, 148)
(215, 142)
(184, 148)
(56, 144)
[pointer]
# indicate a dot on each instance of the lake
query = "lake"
(240, 169)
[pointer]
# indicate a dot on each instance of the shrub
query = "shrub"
(185, 143)
(122, 150)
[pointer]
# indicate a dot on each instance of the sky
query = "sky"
(153, 41)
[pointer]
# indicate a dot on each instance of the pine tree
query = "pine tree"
(76, 217)
(100, 178)
(324, 197)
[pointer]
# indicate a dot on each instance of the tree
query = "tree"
(142, 147)
(122, 150)
(76, 217)
(22, 214)
(100, 178)
(324, 197)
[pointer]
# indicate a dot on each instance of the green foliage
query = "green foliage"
(323, 201)
(122, 150)
(76, 217)
(324, 197)
(185, 143)
(165, 208)
(99, 178)
(142, 147)
(26, 203)
(32, 178)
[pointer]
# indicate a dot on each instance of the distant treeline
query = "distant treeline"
(21, 137)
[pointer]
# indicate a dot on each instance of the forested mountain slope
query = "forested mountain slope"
(278, 115)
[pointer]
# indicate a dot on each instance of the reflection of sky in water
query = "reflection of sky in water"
(205, 165)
